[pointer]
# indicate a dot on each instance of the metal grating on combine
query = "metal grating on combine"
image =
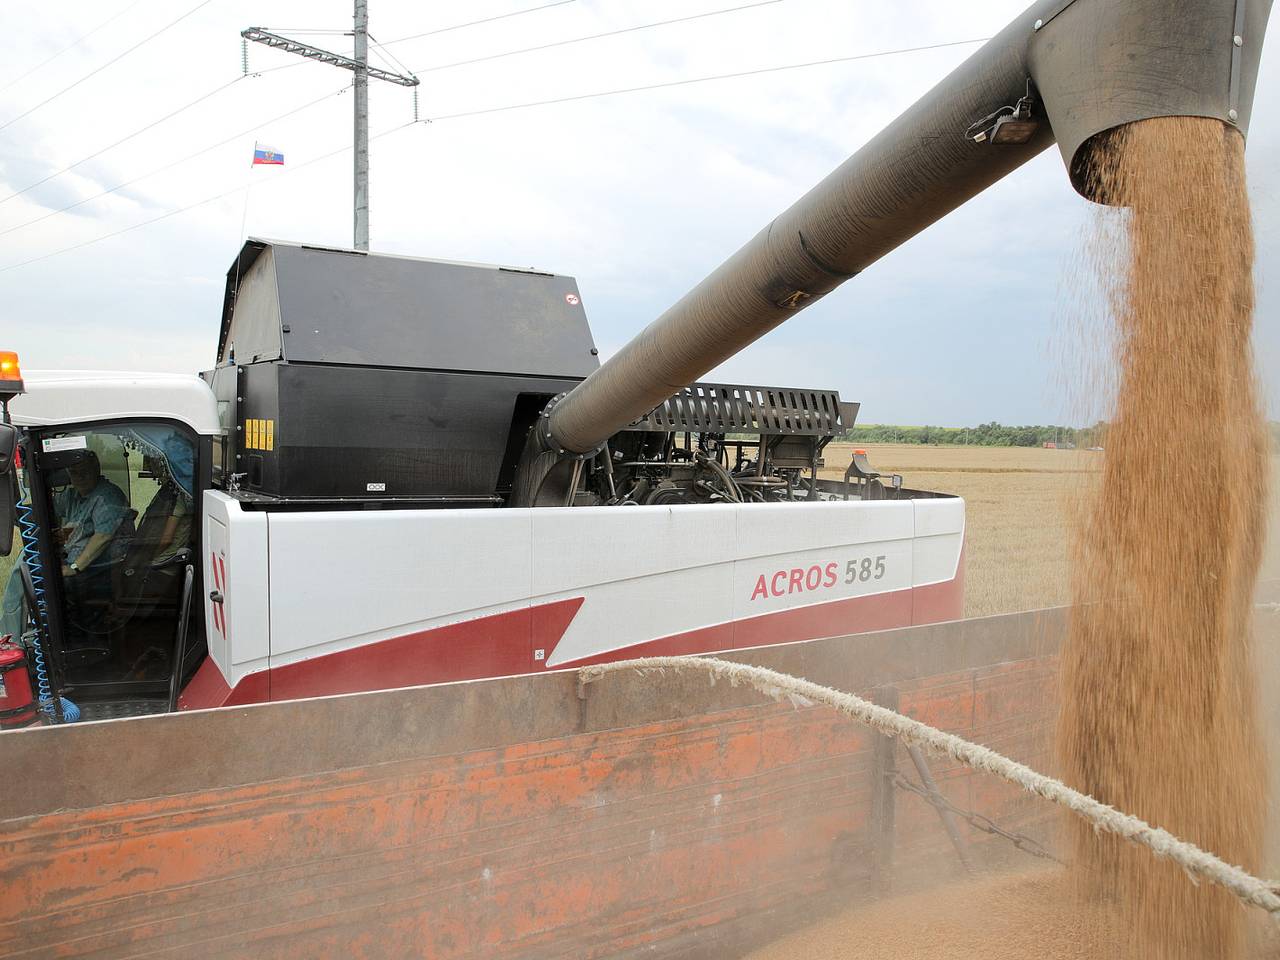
(121, 709)
(734, 408)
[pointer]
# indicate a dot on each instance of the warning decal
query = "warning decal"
(259, 434)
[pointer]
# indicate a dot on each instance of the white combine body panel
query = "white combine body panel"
(313, 603)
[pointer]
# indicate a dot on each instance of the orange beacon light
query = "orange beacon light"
(10, 375)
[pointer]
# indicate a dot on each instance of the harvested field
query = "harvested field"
(1017, 503)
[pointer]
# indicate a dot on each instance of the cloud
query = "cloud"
(637, 195)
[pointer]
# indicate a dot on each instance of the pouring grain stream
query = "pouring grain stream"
(1158, 711)
(1158, 714)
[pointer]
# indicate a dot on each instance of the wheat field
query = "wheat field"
(1017, 504)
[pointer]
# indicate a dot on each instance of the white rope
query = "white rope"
(1191, 858)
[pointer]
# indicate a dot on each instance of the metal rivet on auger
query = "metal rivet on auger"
(1238, 40)
(1039, 24)
(1233, 115)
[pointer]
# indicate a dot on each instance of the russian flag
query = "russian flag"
(265, 154)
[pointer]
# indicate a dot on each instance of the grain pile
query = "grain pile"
(1158, 714)
(1012, 917)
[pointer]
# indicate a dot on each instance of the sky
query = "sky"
(638, 195)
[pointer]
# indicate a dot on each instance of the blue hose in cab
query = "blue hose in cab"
(31, 557)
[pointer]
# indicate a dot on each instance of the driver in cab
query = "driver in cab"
(90, 510)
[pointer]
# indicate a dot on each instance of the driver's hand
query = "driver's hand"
(67, 571)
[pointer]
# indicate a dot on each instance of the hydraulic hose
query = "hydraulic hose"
(30, 556)
(734, 493)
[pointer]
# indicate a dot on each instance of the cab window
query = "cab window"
(122, 513)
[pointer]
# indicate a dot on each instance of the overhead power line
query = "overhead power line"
(92, 73)
(439, 30)
(169, 166)
(476, 23)
(314, 53)
(192, 206)
(555, 43)
(334, 32)
(387, 56)
(122, 140)
(358, 64)
(290, 65)
(519, 106)
(373, 49)
(717, 76)
(258, 35)
(74, 43)
(597, 36)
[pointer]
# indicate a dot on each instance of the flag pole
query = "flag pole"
(244, 218)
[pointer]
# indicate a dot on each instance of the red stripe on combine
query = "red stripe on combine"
(217, 584)
(879, 611)
(493, 646)
(208, 688)
(504, 644)
(940, 601)
(222, 587)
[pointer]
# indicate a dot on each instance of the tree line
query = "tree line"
(991, 434)
(995, 434)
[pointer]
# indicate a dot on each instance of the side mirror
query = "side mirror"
(8, 489)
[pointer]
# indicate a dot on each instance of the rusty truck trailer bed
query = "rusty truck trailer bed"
(510, 818)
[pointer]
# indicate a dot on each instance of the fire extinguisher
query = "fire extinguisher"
(17, 704)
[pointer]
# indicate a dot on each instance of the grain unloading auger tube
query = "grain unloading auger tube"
(1064, 70)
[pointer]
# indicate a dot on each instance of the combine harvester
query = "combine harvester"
(405, 472)
(369, 503)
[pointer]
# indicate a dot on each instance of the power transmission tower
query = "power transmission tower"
(357, 63)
